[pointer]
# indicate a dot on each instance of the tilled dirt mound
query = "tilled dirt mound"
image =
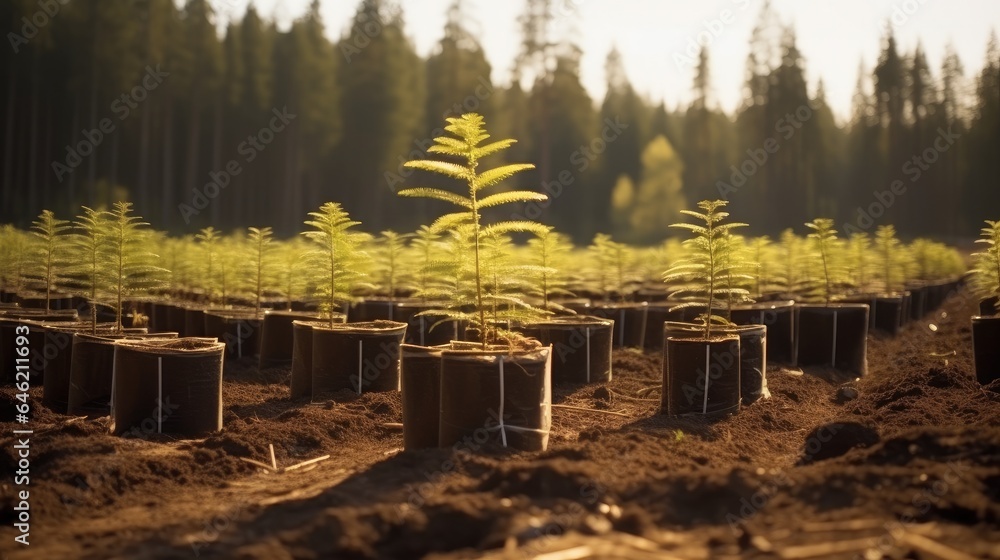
(898, 464)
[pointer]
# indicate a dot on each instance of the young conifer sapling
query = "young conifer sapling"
(706, 264)
(466, 143)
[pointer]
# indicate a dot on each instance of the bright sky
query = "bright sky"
(833, 36)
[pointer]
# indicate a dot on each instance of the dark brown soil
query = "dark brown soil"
(897, 464)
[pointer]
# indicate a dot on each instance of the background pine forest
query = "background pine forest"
(367, 103)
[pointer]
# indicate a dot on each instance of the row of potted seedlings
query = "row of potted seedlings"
(89, 363)
(472, 328)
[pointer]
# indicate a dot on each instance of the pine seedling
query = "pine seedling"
(613, 267)
(13, 258)
(619, 258)
(334, 258)
(132, 273)
(92, 251)
(738, 266)
(178, 256)
(208, 241)
(466, 144)
(259, 259)
(791, 274)
(290, 258)
(548, 257)
(389, 252)
(986, 264)
(422, 253)
(859, 251)
(891, 258)
(761, 258)
(50, 256)
(598, 275)
(825, 247)
(507, 282)
(922, 253)
(702, 270)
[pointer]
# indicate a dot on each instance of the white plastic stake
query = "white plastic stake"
(708, 353)
(159, 395)
(503, 431)
(360, 344)
(588, 354)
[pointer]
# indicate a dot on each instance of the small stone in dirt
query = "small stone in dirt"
(836, 439)
(846, 394)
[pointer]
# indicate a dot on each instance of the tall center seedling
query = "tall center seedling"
(706, 264)
(335, 254)
(468, 133)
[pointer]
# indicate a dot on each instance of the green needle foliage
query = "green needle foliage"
(548, 255)
(922, 253)
(614, 261)
(761, 250)
(892, 258)
(598, 273)
(738, 265)
(49, 257)
(506, 283)
(179, 254)
(424, 254)
(825, 246)
(132, 272)
(289, 279)
(707, 263)
(334, 258)
(389, 253)
(91, 255)
(791, 273)
(860, 254)
(260, 261)
(468, 133)
(13, 258)
(208, 240)
(986, 264)
(451, 275)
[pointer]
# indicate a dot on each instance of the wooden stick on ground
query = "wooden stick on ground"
(274, 464)
(580, 409)
(257, 464)
(305, 463)
(932, 548)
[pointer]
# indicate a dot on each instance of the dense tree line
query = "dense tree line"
(147, 101)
